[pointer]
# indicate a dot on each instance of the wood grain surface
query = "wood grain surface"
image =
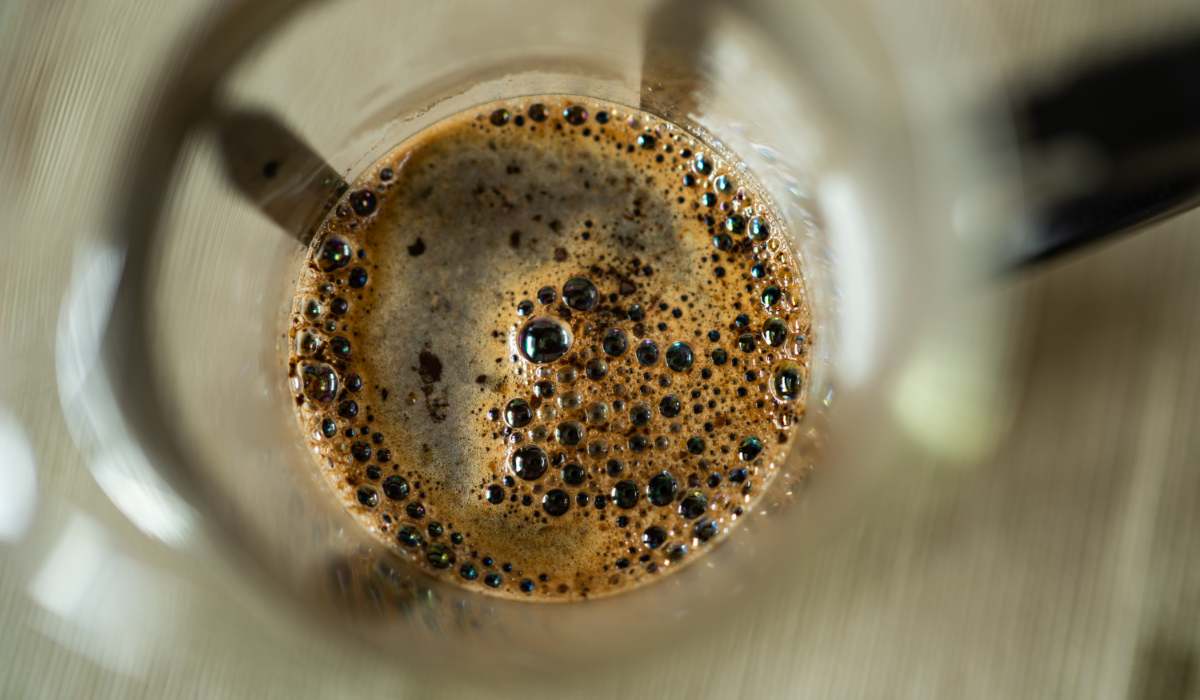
(1066, 566)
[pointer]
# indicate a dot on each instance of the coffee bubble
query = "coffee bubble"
(518, 413)
(750, 448)
(661, 489)
(693, 505)
(335, 253)
(556, 502)
(654, 536)
(308, 344)
(395, 487)
(575, 115)
(439, 556)
(339, 346)
(320, 383)
(787, 381)
(580, 294)
(596, 369)
(647, 352)
(759, 229)
(573, 474)
(529, 462)
(615, 343)
(363, 202)
(679, 356)
(774, 332)
(544, 340)
(705, 530)
(569, 434)
(367, 496)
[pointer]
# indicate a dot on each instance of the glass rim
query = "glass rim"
(186, 92)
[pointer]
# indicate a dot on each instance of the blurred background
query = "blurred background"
(1066, 564)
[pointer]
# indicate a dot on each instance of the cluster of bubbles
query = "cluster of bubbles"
(545, 339)
(585, 470)
(618, 422)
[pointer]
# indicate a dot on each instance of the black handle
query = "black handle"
(1113, 147)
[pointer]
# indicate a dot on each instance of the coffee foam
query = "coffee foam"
(443, 252)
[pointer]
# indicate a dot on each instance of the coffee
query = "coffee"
(550, 348)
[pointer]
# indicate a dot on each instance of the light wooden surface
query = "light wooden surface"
(1021, 585)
